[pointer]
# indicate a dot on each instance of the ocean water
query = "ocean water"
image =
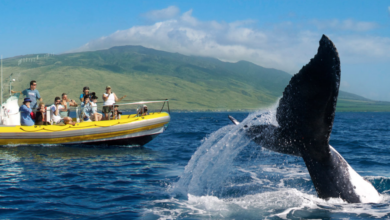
(202, 167)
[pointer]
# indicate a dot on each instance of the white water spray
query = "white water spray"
(213, 161)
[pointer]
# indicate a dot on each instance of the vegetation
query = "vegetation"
(191, 83)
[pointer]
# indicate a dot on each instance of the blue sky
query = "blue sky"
(276, 34)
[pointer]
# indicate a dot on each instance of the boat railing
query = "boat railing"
(78, 111)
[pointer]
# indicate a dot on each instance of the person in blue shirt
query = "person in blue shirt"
(85, 93)
(32, 93)
(25, 113)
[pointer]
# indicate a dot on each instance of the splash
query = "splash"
(212, 163)
(220, 183)
(286, 203)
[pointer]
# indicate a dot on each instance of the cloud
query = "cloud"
(363, 49)
(286, 46)
(345, 25)
(389, 9)
(163, 14)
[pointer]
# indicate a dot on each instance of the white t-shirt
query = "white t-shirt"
(94, 107)
(110, 100)
(55, 118)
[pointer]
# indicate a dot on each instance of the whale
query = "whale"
(305, 117)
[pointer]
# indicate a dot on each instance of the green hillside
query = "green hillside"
(191, 83)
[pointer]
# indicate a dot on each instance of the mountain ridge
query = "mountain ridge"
(193, 82)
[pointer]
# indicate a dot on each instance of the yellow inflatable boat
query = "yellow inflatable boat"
(131, 129)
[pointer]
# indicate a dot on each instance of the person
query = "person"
(55, 113)
(25, 111)
(66, 103)
(109, 99)
(145, 110)
(85, 92)
(32, 93)
(96, 116)
(87, 108)
(116, 114)
(40, 116)
(88, 111)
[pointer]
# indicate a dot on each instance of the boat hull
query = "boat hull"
(129, 130)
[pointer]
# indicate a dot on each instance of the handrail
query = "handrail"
(79, 109)
(142, 102)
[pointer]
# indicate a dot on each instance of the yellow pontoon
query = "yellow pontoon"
(132, 129)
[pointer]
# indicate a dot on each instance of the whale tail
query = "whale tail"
(305, 116)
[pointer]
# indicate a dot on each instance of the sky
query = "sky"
(275, 34)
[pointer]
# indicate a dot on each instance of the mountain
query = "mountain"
(190, 82)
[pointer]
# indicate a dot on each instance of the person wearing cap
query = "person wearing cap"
(109, 99)
(85, 92)
(25, 113)
(31, 93)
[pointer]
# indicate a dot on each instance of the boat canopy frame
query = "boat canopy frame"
(79, 109)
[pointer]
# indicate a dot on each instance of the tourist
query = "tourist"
(32, 93)
(55, 113)
(25, 111)
(66, 103)
(109, 99)
(85, 92)
(143, 110)
(116, 114)
(96, 116)
(87, 109)
(40, 116)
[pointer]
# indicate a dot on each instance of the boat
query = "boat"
(130, 130)
(138, 128)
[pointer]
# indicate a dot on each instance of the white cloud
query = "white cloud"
(363, 49)
(284, 46)
(389, 9)
(345, 25)
(163, 14)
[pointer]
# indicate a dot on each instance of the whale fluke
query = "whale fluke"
(305, 116)
(307, 109)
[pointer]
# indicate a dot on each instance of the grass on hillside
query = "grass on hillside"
(190, 83)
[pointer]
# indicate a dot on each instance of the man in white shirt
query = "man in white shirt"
(55, 113)
(55, 110)
(109, 99)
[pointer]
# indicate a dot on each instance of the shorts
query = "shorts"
(107, 109)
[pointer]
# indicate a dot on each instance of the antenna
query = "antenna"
(10, 83)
